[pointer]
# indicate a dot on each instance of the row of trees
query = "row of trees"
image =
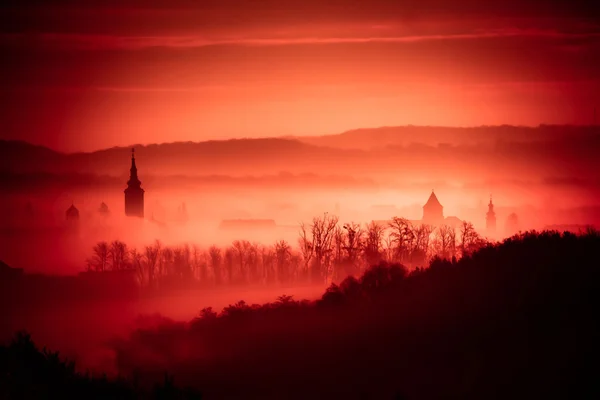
(327, 251)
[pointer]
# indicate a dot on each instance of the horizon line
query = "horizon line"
(289, 137)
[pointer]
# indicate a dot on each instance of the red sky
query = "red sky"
(80, 75)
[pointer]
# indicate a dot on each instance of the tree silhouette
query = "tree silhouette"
(373, 243)
(326, 252)
(100, 260)
(119, 256)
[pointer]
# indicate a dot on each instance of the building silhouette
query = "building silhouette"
(72, 214)
(72, 217)
(103, 210)
(490, 220)
(433, 214)
(134, 194)
(433, 211)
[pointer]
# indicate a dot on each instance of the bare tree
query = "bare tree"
(215, 263)
(373, 240)
(420, 249)
(165, 262)
(152, 254)
(402, 237)
(238, 247)
(252, 261)
(322, 230)
(388, 250)
(118, 255)
(267, 258)
(100, 260)
(283, 255)
(228, 261)
(353, 244)
(306, 247)
(136, 264)
(470, 240)
(445, 241)
(199, 264)
(181, 263)
(339, 242)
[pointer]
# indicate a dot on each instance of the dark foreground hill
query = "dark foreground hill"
(517, 320)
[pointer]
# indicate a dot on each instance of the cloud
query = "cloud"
(91, 66)
(110, 42)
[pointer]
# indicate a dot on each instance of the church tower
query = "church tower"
(134, 194)
(433, 211)
(490, 219)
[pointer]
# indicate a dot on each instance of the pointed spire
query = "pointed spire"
(133, 177)
(133, 159)
(490, 206)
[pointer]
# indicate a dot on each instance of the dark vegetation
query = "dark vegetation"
(27, 372)
(514, 320)
(511, 320)
(327, 251)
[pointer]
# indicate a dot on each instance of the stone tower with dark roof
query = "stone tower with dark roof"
(433, 211)
(134, 194)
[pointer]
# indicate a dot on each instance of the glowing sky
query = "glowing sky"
(83, 75)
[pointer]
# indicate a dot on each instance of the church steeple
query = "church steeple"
(133, 176)
(490, 219)
(134, 194)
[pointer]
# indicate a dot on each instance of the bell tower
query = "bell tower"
(134, 194)
(490, 219)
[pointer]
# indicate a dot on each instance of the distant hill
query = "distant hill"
(398, 152)
(237, 156)
(369, 138)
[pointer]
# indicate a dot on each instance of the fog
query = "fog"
(83, 327)
(36, 236)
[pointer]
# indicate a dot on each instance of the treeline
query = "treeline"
(512, 320)
(27, 372)
(326, 251)
(516, 319)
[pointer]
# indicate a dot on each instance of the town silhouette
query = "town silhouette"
(299, 199)
(403, 303)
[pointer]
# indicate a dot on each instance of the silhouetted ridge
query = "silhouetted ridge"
(541, 150)
(27, 372)
(514, 320)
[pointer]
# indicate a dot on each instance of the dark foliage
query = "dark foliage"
(514, 320)
(27, 372)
